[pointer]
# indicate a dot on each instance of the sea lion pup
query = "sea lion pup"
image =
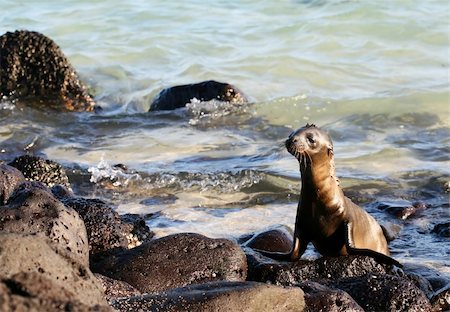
(332, 222)
(179, 96)
(33, 67)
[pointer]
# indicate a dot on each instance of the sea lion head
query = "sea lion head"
(311, 146)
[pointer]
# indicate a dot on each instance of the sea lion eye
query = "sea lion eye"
(310, 139)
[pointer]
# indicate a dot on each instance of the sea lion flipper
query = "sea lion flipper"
(352, 250)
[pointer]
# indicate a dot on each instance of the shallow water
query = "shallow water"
(375, 76)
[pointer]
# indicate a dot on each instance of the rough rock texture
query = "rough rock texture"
(175, 261)
(140, 232)
(278, 239)
(179, 96)
(104, 227)
(41, 170)
(33, 66)
(376, 292)
(115, 289)
(20, 253)
(35, 210)
(219, 296)
(323, 268)
(34, 292)
(441, 300)
(10, 179)
(322, 298)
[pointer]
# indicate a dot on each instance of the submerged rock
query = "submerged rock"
(41, 170)
(178, 96)
(175, 261)
(34, 67)
(219, 296)
(401, 209)
(442, 229)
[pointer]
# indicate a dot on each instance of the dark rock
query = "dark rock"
(10, 179)
(376, 292)
(140, 232)
(401, 209)
(105, 229)
(219, 296)
(321, 298)
(422, 283)
(391, 231)
(33, 66)
(41, 170)
(115, 289)
(441, 300)
(175, 261)
(442, 229)
(61, 192)
(179, 96)
(277, 239)
(42, 257)
(35, 210)
(292, 273)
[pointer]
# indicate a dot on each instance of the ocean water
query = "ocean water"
(374, 75)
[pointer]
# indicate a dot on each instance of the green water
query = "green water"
(374, 75)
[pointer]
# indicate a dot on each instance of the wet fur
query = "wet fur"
(332, 222)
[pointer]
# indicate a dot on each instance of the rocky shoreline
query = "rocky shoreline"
(61, 252)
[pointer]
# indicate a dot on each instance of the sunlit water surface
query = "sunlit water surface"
(374, 75)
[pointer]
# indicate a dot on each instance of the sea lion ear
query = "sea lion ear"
(330, 150)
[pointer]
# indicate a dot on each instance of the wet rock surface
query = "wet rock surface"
(402, 209)
(175, 261)
(442, 229)
(41, 170)
(277, 239)
(34, 67)
(179, 96)
(219, 296)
